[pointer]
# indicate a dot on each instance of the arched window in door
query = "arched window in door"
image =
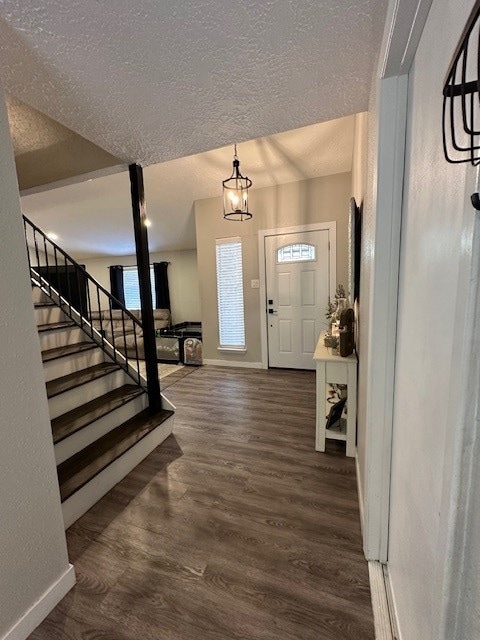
(296, 253)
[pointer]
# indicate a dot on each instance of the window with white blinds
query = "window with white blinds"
(231, 320)
(131, 288)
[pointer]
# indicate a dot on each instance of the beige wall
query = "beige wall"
(46, 151)
(33, 553)
(322, 199)
(182, 279)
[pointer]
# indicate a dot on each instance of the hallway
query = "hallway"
(234, 528)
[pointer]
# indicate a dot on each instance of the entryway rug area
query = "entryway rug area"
(169, 373)
(165, 370)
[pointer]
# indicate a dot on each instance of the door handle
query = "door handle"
(272, 311)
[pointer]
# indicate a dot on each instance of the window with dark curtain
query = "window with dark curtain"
(162, 293)
(131, 287)
(116, 285)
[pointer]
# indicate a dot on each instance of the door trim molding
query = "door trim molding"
(382, 330)
(404, 24)
(331, 227)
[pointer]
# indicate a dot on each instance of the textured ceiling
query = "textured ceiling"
(153, 80)
(46, 151)
(31, 131)
(94, 218)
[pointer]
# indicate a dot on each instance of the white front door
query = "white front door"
(298, 291)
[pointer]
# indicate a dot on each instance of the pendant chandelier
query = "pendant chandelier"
(235, 194)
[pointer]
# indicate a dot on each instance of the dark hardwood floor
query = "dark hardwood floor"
(174, 377)
(234, 528)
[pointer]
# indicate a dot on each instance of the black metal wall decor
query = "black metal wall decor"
(235, 193)
(461, 97)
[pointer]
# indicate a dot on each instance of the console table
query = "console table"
(334, 369)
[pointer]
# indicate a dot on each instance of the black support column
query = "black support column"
(145, 286)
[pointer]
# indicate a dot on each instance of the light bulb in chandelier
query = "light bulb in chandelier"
(235, 194)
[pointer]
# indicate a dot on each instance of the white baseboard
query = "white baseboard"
(381, 613)
(360, 492)
(40, 610)
(391, 605)
(234, 363)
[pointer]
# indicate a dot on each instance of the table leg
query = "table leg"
(352, 410)
(321, 407)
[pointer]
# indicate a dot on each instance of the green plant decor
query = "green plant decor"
(332, 307)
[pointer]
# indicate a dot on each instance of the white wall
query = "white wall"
(33, 555)
(182, 279)
(322, 199)
(436, 239)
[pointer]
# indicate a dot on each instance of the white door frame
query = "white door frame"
(331, 227)
(403, 29)
(460, 500)
(382, 330)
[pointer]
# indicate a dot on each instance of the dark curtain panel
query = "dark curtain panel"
(116, 285)
(162, 294)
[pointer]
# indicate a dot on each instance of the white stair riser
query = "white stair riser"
(47, 315)
(81, 439)
(84, 393)
(74, 362)
(87, 496)
(167, 404)
(60, 337)
(39, 296)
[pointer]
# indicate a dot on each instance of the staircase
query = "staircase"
(102, 426)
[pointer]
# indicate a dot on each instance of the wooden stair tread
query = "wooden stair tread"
(52, 326)
(82, 467)
(78, 418)
(66, 350)
(77, 378)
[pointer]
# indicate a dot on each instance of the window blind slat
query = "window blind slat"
(132, 289)
(231, 318)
